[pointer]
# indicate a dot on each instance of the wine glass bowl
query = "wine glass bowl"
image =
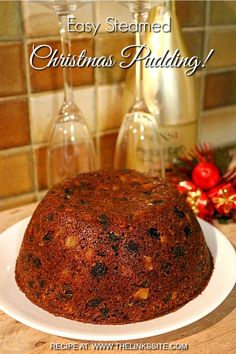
(138, 144)
(70, 148)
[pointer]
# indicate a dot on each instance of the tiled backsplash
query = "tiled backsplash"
(30, 99)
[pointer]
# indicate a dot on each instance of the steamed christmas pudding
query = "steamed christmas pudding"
(113, 247)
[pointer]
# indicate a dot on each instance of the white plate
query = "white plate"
(14, 303)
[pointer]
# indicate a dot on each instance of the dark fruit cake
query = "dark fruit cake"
(113, 247)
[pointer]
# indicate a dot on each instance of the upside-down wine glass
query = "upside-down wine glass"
(138, 144)
(70, 147)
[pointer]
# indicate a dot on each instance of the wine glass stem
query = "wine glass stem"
(138, 64)
(66, 49)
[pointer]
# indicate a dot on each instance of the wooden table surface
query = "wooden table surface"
(213, 334)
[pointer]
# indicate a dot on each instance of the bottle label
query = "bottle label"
(177, 140)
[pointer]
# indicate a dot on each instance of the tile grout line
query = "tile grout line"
(219, 109)
(28, 86)
(209, 28)
(203, 78)
(15, 150)
(225, 69)
(16, 197)
(13, 97)
(56, 38)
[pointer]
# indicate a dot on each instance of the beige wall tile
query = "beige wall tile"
(219, 126)
(40, 21)
(111, 9)
(41, 165)
(194, 42)
(52, 78)
(191, 13)
(222, 12)
(116, 42)
(220, 89)
(10, 20)
(44, 108)
(109, 107)
(16, 174)
(107, 145)
(224, 42)
(13, 202)
(12, 69)
(14, 123)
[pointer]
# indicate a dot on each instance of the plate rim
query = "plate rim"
(128, 336)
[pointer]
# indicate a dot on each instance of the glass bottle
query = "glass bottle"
(169, 93)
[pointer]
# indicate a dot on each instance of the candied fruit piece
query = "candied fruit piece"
(154, 233)
(70, 241)
(148, 263)
(174, 295)
(148, 187)
(89, 254)
(65, 272)
(115, 188)
(141, 294)
(99, 270)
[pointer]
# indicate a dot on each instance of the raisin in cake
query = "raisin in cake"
(113, 247)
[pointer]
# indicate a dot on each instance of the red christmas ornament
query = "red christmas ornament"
(224, 198)
(205, 175)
